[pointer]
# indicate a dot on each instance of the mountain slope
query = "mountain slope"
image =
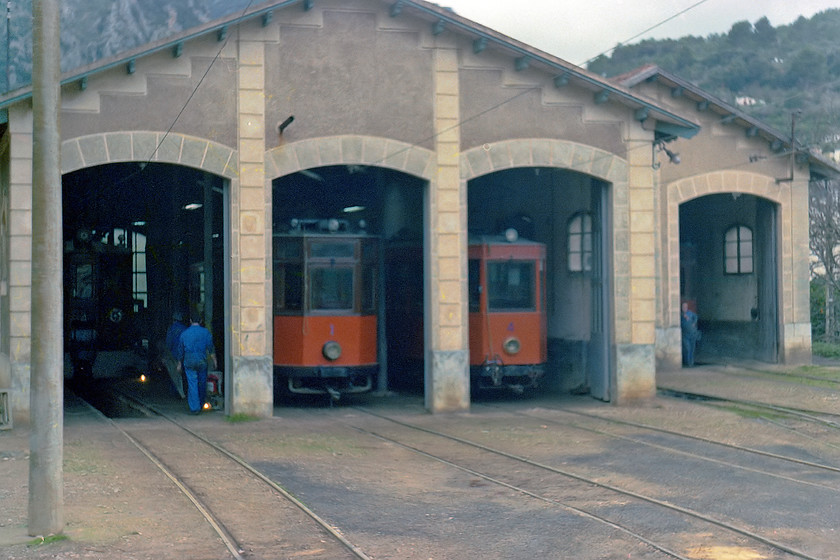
(768, 72)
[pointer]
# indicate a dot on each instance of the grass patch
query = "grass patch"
(40, 541)
(825, 349)
(827, 372)
(753, 413)
(240, 417)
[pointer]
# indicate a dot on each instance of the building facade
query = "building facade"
(457, 129)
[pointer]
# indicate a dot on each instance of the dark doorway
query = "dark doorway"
(729, 275)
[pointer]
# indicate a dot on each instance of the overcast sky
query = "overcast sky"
(578, 30)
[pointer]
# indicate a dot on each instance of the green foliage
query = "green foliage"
(826, 349)
(40, 541)
(817, 308)
(785, 68)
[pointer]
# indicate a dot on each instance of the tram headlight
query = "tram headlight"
(512, 346)
(332, 350)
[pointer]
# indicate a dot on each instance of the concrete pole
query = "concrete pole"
(46, 444)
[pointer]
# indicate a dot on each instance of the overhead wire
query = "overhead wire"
(540, 87)
(185, 104)
(436, 134)
(651, 28)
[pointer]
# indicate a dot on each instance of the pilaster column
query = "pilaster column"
(635, 289)
(795, 285)
(20, 255)
(447, 354)
(252, 378)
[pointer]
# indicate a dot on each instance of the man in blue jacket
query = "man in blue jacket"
(690, 334)
(195, 348)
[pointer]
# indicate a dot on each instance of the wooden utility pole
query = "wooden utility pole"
(46, 442)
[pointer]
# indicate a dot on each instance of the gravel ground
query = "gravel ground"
(391, 502)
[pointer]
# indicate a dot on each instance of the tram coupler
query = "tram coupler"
(334, 394)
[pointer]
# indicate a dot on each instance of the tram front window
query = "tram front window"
(510, 285)
(332, 288)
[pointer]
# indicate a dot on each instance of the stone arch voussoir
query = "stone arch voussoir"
(717, 182)
(148, 146)
(350, 149)
(543, 152)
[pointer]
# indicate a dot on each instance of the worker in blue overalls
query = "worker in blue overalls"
(195, 348)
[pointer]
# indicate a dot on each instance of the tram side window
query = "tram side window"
(510, 285)
(475, 285)
(368, 289)
(331, 288)
(370, 276)
(288, 287)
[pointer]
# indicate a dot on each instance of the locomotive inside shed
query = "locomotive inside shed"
(163, 226)
(142, 241)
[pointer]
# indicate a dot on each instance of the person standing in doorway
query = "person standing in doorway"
(195, 348)
(690, 334)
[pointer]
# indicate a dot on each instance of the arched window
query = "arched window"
(580, 242)
(738, 250)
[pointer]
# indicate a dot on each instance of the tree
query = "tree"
(808, 67)
(764, 32)
(825, 246)
(741, 33)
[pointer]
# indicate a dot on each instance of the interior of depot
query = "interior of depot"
(729, 275)
(158, 233)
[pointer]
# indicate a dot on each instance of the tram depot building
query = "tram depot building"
(431, 126)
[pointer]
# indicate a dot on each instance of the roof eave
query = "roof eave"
(563, 69)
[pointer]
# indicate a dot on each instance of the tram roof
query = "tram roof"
(483, 239)
(441, 19)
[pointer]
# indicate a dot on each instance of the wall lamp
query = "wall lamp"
(673, 157)
(283, 125)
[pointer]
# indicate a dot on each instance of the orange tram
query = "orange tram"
(507, 312)
(325, 308)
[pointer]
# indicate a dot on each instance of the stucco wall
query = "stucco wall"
(345, 74)
(724, 158)
(193, 94)
(498, 103)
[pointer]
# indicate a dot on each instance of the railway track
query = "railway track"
(657, 493)
(710, 528)
(819, 417)
(785, 467)
(194, 465)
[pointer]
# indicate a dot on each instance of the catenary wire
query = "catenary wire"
(651, 28)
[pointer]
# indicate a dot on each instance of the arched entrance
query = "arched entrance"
(728, 275)
(564, 190)
(725, 227)
(145, 236)
(372, 188)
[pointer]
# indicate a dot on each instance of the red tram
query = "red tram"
(508, 320)
(507, 311)
(102, 330)
(325, 308)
